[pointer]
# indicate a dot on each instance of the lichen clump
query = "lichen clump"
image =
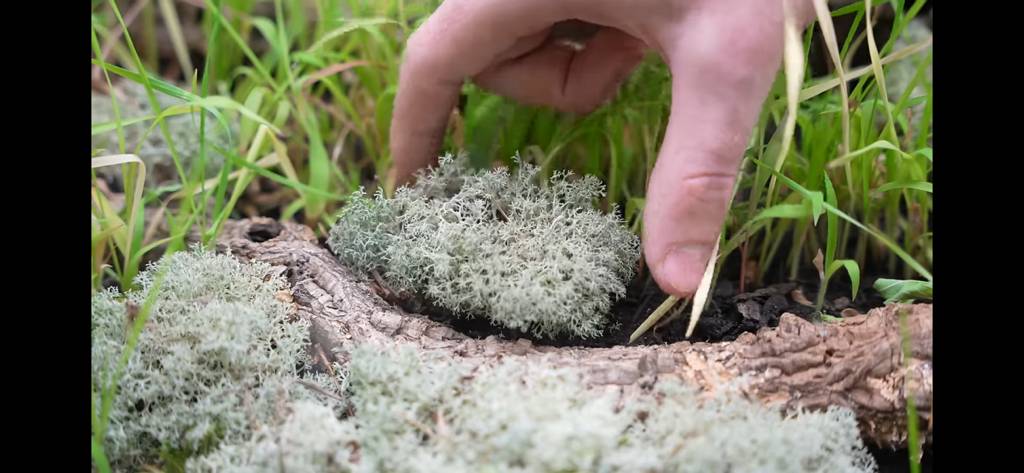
(415, 414)
(531, 256)
(215, 358)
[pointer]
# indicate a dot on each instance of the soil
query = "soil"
(728, 314)
(897, 461)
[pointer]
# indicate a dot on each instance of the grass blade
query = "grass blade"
(99, 457)
(257, 65)
(918, 185)
(140, 182)
(101, 128)
(109, 393)
(701, 297)
(829, 33)
(239, 161)
(852, 269)
(896, 249)
(655, 316)
(876, 67)
(166, 89)
(831, 83)
(351, 24)
(913, 442)
(793, 61)
(170, 15)
(783, 211)
(878, 145)
(242, 182)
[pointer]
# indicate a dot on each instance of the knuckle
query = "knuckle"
(416, 47)
(737, 51)
(713, 187)
(422, 47)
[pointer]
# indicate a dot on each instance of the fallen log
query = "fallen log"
(857, 363)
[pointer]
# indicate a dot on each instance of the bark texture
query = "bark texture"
(857, 363)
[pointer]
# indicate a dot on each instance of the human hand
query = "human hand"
(723, 55)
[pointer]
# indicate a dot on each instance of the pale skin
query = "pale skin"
(723, 56)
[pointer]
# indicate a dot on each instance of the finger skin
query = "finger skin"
(569, 80)
(465, 37)
(460, 40)
(722, 68)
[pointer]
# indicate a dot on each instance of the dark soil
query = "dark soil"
(728, 314)
(898, 461)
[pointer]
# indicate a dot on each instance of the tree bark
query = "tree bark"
(857, 363)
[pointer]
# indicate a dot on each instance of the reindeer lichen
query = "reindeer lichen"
(532, 256)
(419, 413)
(216, 357)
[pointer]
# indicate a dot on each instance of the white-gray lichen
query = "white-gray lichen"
(537, 258)
(154, 149)
(217, 358)
(416, 413)
(312, 439)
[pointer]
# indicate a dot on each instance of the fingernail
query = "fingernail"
(684, 266)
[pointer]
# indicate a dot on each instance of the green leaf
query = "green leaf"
(99, 457)
(832, 223)
(254, 101)
(854, 7)
(308, 59)
(241, 162)
(351, 24)
(159, 85)
(483, 113)
(385, 107)
(899, 251)
(926, 152)
(816, 198)
(880, 145)
(919, 185)
(852, 269)
(100, 128)
(635, 207)
(903, 290)
(169, 89)
(269, 31)
(783, 211)
(319, 167)
(920, 99)
(217, 101)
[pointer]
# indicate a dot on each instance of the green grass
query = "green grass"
(310, 85)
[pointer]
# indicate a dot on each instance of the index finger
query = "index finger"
(460, 40)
